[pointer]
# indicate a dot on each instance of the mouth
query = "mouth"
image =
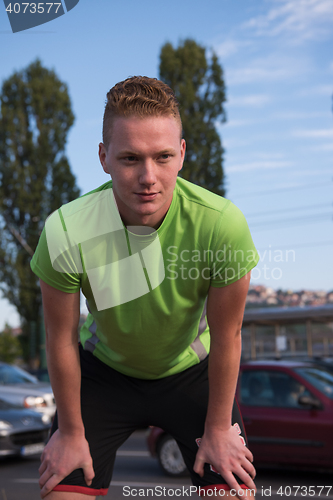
(147, 196)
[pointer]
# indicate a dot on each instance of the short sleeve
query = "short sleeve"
(42, 266)
(234, 251)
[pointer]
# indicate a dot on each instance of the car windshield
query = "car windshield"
(14, 375)
(319, 377)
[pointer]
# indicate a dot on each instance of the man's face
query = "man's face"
(143, 158)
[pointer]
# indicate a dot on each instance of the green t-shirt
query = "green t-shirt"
(145, 293)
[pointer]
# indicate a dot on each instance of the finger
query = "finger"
(230, 480)
(251, 471)
(50, 484)
(47, 474)
(198, 466)
(247, 464)
(248, 454)
(249, 468)
(89, 474)
(245, 478)
(42, 468)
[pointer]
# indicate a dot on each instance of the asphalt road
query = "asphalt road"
(136, 474)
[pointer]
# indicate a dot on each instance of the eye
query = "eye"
(130, 159)
(165, 156)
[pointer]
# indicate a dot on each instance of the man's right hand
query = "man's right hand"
(62, 455)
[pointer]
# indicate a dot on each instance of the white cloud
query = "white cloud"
(277, 66)
(302, 19)
(314, 134)
(234, 143)
(230, 47)
(323, 148)
(298, 115)
(238, 123)
(317, 90)
(227, 48)
(256, 73)
(258, 165)
(255, 100)
(276, 155)
(311, 173)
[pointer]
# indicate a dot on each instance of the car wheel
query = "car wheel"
(170, 457)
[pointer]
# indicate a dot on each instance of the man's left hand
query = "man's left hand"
(225, 451)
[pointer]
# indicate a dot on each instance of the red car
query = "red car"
(287, 408)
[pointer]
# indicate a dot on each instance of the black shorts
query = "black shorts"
(114, 405)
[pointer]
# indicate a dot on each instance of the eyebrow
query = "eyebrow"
(133, 153)
(170, 150)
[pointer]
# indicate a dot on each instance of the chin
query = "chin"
(147, 209)
(146, 214)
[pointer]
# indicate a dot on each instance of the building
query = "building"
(288, 331)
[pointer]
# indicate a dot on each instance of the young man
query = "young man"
(149, 251)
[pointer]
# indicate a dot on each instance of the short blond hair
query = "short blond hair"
(139, 96)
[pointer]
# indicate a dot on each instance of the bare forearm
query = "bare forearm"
(223, 371)
(61, 315)
(65, 376)
(225, 309)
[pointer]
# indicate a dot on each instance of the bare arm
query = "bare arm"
(220, 444)
(67, 449)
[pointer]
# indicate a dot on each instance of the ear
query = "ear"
(182, 153)
(102, 156)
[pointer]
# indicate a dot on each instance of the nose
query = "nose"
(148, 173)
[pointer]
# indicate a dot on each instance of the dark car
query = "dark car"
(22, 432)
(287, 408)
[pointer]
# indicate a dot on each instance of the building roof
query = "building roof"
(287, 315)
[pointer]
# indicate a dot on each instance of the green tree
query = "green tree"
(35, 178)
(10, 347)
(199, 87)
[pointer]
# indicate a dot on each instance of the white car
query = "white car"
(20, 388)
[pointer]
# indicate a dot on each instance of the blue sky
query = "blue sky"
(278, 66)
